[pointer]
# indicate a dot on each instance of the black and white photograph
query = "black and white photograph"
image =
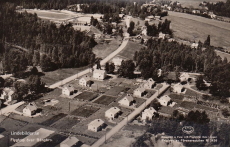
(114, 73)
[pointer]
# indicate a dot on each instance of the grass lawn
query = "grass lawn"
(88, 96)
(195, 3)
(195, 28)
(130, 49)
(115, 90)
(49, 14)
(53, 119)
(66, 123)
(85, 111)
(59, 74)
(105, 100)
(103, 50)
(192, 93)
(176, 96)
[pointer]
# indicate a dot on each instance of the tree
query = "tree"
(155, 104)
(35, 84)
(2, 81)
(225, 112)
(207, 41)
(200, 83)
(127, 69)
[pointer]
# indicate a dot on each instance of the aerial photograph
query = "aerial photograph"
(114, 73)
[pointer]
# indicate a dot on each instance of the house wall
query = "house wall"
(27, 111)
(82, 82)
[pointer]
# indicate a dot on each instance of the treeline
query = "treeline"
(220, 8)
(47, 45)
(164, 27)
(173, 56)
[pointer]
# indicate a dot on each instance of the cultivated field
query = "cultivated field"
(105, 100)
(85, 111)
(195, 28)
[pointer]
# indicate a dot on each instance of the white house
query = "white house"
(164, 100)
(127, 100)
(178, 88)
(68, 90)
(7, 94)
(117, 61)
(163, 36)
(99, 74)
(139, 92)
(144, 32)
(148, 84)
(96, 125)
(85, 81)
(30, 109)
(194, 45)
(148, 114)
(112, 113)
(69, 142)
(184, 77)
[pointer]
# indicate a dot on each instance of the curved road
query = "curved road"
(109, 57)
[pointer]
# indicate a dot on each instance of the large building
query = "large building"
(96, 125)
(112, 113)
(99, 74)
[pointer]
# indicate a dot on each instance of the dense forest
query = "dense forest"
(220, 8)
(173, 56)
(46, 45)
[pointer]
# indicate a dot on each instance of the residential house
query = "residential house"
(112, 113)
(178, 88)
(7, 94)
(127, 100)
(163, 36)
(117, 61)
(194, 45)
(184, 77)
(69, 142)
(149, 84)
(99, 74)
(164, 100)
(68, 90)
(144, 32)
(166, 111)
(148, 114)
(85, 81)
(96, 125)
(139, 92)
(30, 109)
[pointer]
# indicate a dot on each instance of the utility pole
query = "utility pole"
(69, 106)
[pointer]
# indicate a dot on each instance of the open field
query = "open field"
(105, 100)
(84, 111)
(66, 123)
(195, 28)
(115, 90)
(130, 50)
(88, 96)
(194, 3)
(103, 50)
(53, 119)
(60, 74)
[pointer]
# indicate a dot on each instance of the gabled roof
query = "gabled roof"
(70, 141)
(86, 78)
(99, 71)
(32, 106)
(96, 123)
(69, 87)
(150, 111)
(140, 89)
(113, 110)
(165, 98)
(128, 97)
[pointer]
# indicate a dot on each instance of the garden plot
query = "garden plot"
(87, 96)
(85, 111)
(53, 119)
(66, 123)
(105, 100)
